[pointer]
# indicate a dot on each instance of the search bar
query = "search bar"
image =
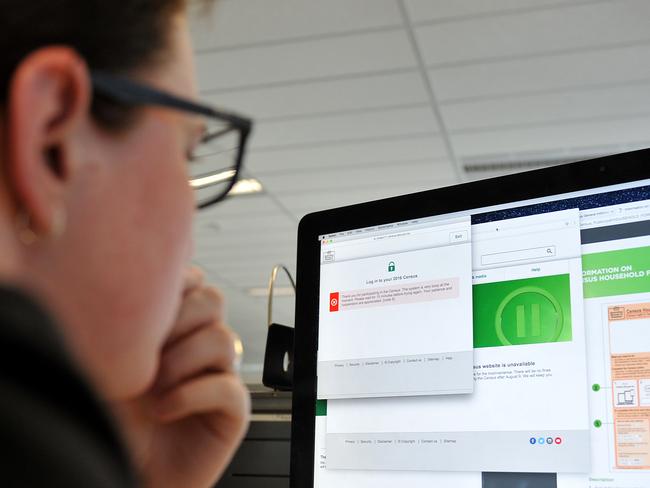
(518, 255)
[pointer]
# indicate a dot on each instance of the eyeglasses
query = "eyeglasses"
(216, 162)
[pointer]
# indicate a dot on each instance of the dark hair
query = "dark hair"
(115, 36)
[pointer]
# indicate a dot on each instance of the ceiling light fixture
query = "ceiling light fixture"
(246, 186)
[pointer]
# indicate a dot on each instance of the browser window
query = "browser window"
(528, 337)
(562, 282)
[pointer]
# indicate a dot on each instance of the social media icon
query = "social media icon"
(549, 440)
(334, 302)
(558, 440)
(532, 440)
(541, 440)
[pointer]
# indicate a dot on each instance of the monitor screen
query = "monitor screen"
(494, 344)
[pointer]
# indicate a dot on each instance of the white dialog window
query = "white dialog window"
(396, 311)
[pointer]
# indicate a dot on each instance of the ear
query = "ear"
(48, 99)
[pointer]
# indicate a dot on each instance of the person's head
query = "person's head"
(95, 207)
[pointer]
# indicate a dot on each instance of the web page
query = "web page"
(616, 273)
(528, 337)
(616, 288)
(397, 313)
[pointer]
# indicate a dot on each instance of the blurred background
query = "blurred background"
(357, 100)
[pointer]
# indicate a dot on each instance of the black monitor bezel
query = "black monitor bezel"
(556, 180)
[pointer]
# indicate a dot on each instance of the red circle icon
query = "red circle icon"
(558, 440)
(334, 301)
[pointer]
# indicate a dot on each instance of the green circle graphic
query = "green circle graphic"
(520, 292)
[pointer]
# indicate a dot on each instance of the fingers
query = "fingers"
(193, 279)
(221, 393)
(201, 305)
(210, 348)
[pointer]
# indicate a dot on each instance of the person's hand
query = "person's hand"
(184, 431)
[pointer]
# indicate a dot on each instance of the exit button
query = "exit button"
(459, 236)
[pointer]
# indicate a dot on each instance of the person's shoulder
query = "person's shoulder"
(53, 429)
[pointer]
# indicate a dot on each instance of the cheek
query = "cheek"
(163, 219)
(143, 244)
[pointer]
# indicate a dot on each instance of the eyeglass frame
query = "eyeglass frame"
(129, 92)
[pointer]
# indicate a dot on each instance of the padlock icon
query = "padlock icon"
(391, 266)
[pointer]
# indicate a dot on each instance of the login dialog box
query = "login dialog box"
(396, 312)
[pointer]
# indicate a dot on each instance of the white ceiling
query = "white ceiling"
(361, 99)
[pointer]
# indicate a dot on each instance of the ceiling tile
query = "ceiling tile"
(233, 22)
(426, 172)
(251, 244)
(549, 108)
(347, 154)
(256, 204)
(559, 71)
(244, 247)
(253, 261)
(522, 34)
(237, 223)
(440, 10)
(555, 139)
(306, 60)
(322, 97)
(321, 200)
(335, 128)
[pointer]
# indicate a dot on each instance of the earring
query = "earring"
(26, 234)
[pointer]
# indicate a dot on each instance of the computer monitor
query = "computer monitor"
(488, 334)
